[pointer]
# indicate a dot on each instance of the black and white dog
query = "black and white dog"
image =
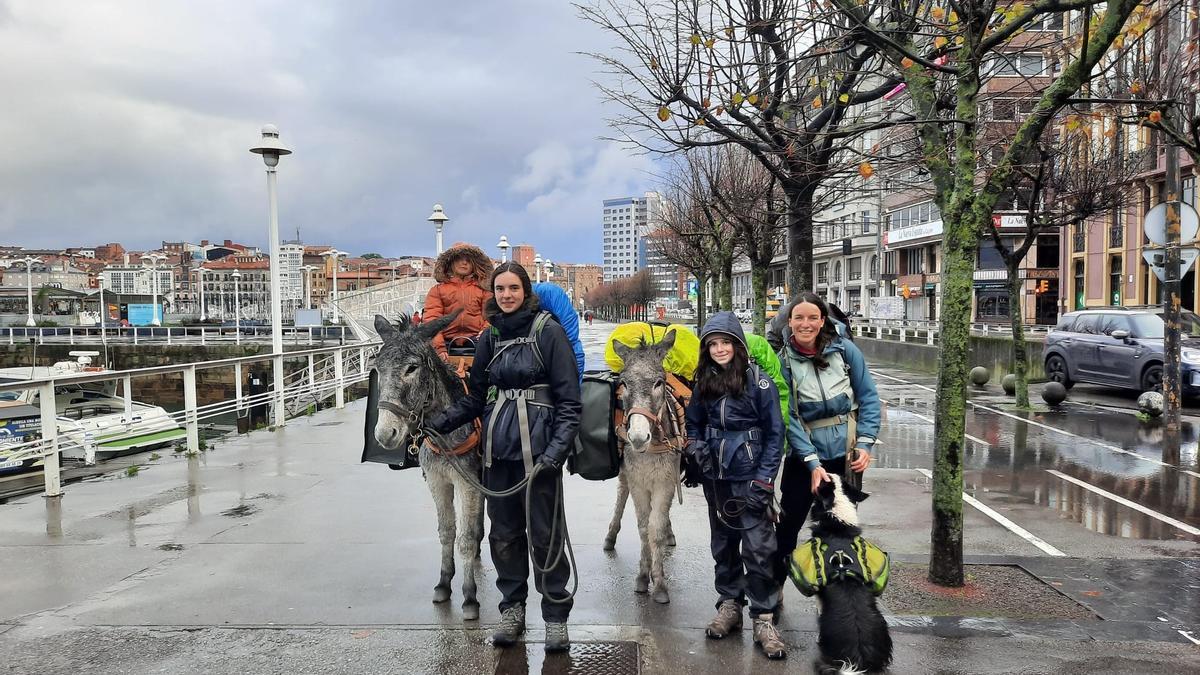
(854, 636)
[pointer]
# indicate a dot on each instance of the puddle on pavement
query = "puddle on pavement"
(240, 511)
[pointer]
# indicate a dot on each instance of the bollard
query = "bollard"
(49, 433)
(189, 410)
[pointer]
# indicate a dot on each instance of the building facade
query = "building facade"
(625, 221)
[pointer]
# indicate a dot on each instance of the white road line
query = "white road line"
(1005, 522)
(1125, 502)
(969, 436)
(1101, 444)
(1188, 634)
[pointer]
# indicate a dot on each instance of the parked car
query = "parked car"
(743, 315)
(1120, 347)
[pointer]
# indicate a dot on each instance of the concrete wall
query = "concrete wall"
(995, 354)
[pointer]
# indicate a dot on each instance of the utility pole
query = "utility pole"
(1172, 394)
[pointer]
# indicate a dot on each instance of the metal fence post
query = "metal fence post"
(135, 334)
(237, 386)
(71, 335)
(127, 385)
(168, 335)
(189, 410)
(903, 336)
(312, 376)
(280, 413)
(362, 360)
(50, 440)
(202, 342)
(340, 397)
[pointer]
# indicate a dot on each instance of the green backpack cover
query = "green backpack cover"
(815, 562)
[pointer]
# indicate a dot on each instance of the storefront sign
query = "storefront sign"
(1007, 221)
(903, 234)
(1041, 274)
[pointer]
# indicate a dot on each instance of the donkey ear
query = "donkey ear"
(854, 494)
(623, 350)
(385, 329)
(427, 330)
(667, 342)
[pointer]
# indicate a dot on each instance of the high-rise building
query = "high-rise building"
(626, 221)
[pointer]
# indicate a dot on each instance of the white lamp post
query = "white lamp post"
(103, 314)
(237, 306)
(154, 259)
(271, 150)
(549, 269)
(29, 260)
(439, 220)
(503, 246)
(200, 280)
(308, 270)
(335, 254)
(537, 267)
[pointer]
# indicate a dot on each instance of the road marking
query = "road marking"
(969, 436)
(1125, 502)
(1005, 522)
(1101, 444)
(1188, 634)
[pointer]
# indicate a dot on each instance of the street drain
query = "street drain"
(584, 658)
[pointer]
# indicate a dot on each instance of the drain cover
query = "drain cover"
(585, 658)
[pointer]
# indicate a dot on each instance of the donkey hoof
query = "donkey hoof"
(610, 543)
(661, 596)
(441, 594)
(641, 584)
(470, 611)
(670, 540)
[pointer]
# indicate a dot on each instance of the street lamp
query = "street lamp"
(439, 220)
(29, 260)
(337, 254)
(271, 150)
(503, 246)
(200, 280)
(537, 267)
(549, 269)
(237, 306)
(154, 259)
(308, 270)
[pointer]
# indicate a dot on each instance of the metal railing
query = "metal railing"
(182, 335)
(919, 330)
(329, 372)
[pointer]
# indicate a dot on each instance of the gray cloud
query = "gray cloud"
(130, 121)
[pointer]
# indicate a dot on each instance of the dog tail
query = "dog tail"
(838, 668)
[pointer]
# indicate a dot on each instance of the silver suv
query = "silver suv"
(1120, 347)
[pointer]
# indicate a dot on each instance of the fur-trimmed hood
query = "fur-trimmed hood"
(481, 263)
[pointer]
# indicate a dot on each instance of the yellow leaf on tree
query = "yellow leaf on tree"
(939, 42)
(1136, 87)
(752, 98)
(844, 98)
(1155, 116)
(959, 40)
(907, 62)
(738, 98)
(729, 31)
(710, 42)
(938, 13)
(817, 102)
(1119, 42)
(866, 170)
(653, 63)
(953, 16)
(664, 114)
(695, 39)
(814, 81)
(705, 103)
(719, 111)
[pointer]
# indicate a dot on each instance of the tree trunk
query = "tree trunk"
(1020, 352)
(758, 285)
(958, 271)
(725, 285)
(701, 299)
(800, 238)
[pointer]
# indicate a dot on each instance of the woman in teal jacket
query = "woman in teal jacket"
(833, 408)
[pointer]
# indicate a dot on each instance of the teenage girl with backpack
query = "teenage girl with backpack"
(735, 442)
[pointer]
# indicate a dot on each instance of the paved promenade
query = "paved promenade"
(279, 552)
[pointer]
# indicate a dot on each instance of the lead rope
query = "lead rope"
(553, 555)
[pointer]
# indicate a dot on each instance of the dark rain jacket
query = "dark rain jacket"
(743, 433)
(553, 418)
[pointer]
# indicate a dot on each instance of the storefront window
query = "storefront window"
(1114, 280)
(1079, 285)
(993, 305)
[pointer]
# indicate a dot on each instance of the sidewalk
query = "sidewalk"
(279, 552)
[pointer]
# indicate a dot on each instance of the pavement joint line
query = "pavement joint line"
(1005, 522)
(969, 436)
(1125, 502)
(1101, 444)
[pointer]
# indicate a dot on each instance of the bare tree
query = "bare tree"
(783, 79)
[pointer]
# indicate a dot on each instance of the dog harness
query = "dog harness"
(818, 561)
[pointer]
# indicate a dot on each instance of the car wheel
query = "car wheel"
(1152, 377)
(1056, 371)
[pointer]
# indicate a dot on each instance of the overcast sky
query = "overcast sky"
(130, 121)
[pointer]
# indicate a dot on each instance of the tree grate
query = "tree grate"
(584, 658)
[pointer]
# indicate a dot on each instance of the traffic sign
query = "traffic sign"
(1156, 257)
(1156, 224)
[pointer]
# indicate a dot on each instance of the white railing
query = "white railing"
(391, 299)
(910, 330)
(171, 335)
(329, 371)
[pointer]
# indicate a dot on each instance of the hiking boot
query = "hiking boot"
(727, 620)
(556, 637)
(766, 635)
(511, 626)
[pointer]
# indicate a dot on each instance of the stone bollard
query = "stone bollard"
(1053, 393)
(979, 376)
(1009, 384)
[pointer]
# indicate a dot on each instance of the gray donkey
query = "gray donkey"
(648, 474)
(415, 383)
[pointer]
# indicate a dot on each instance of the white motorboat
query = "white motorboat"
(93, 421)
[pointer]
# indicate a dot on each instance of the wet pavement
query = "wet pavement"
(279, 552)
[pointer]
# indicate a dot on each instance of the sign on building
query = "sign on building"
(142, 314)
(886, 307)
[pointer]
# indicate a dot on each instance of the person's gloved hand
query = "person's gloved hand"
(692, 474)
(549, 462)
(759, 497)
